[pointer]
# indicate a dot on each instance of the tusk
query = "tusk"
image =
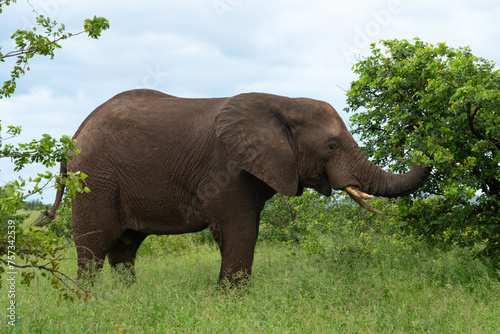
(357, 193)
(358, 196)
(364, 205)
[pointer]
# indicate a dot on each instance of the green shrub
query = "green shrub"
(291, 219)
(61, 225)
(327, 225)
(158, 245)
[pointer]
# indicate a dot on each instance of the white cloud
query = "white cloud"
(43, 111)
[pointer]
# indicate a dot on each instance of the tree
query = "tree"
(28, 247)
(30, 43)
(442, 105)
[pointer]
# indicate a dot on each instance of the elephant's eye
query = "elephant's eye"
(332, 147)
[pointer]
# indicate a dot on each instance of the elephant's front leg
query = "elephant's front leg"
(237, 245)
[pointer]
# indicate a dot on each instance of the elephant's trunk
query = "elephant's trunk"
(375, 181)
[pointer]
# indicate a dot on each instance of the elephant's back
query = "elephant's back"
(130, 96)
(149, 108)
(146, 124)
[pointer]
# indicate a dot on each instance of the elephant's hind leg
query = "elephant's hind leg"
(96, 228)
(91, 252)
(124, 252)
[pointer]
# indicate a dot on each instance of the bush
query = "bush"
(61, 225)
(158, 245)
(291, 219)
(335, 227)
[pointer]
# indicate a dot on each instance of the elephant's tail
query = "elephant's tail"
(48, 216)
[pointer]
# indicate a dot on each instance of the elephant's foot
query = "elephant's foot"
(122, 256)
(125, 273)
(230, 279)
(89, 269)
(236, 265)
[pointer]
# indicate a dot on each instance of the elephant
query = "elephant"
(160, 164)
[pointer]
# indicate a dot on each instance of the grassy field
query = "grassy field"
(33, 215)
(290, 292)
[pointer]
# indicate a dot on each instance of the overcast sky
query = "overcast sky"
(214, 48)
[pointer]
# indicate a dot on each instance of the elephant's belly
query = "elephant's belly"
(162, 227)
(166, 216)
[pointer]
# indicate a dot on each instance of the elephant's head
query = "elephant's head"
(295, 143)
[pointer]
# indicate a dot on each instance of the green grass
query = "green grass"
(290, 292)
(33, 215)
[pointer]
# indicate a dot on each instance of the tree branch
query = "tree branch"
(37, 191)
(3, 2)
(55, 273)
(34, 50)
(470, 120)
(24, 155)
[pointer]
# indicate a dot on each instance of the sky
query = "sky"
(217, 48)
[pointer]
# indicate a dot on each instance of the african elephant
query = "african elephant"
(158, 164)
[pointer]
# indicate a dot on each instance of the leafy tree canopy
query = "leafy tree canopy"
(31, 42)
(441, 106)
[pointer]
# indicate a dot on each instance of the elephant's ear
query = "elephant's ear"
(257, 137)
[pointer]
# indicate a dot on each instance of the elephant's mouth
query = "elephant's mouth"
(358, 196)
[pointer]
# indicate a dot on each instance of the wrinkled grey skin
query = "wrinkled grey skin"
(158, 164)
